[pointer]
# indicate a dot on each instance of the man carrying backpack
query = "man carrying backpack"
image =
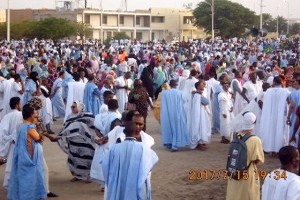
(245, 153)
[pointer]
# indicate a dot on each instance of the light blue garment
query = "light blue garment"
(174, 130)
(91, 98)
(126, 170)
(44, 72)
(216, 109)
(68, 78)
(30, 87)
(57, 100)
(27, 175)
(103, 121)
(37, 69)
(159, 80)
(295, 96)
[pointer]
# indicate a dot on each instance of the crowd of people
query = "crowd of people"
(103, 93)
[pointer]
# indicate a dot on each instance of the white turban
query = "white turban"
(186, 73)
(270, 80)
(249, 120)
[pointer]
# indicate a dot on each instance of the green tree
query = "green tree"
(231, 19)
(83, 30)
(295, 29)
(50, 28)
(117, 36)
(282, 25)
(54, 28)
(268, 22)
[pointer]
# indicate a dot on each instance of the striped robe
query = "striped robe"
(77, 142)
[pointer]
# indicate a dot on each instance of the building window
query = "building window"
(109, 34)
(121, 19)
(104, 19)
(138, 20)
(188, 20)
(158, 19)
(139, 35)
(87, 19)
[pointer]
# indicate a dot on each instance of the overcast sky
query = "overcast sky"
(270, 6)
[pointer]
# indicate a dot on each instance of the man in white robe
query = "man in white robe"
(104, 123)
(189, 87)
(283, 183)
(200, 128)
(211, 86)
(117, 134)
(75, 93)
(107, 95)
(126, 168)
(226, 112)
(254, 106)
(18, 87)
(123, 85)
(8, 134)
(251, 88)
(236, 87)
(183, 78)
(274, 131)
(46, 110)
(8, 91)
(1, 94)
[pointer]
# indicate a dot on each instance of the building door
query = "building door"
(153, 36)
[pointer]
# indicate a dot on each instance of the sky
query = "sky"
(274, 7)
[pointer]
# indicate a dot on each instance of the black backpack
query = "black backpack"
(237, 156)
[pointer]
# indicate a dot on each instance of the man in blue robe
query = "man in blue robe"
(126, 168)
(174, 129)
(68, 78)
(56, 96)
(91, 98)
(27, 175)
(294, 103)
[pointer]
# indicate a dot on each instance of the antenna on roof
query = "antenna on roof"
(123, 5)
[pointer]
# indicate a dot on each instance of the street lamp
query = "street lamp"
(261, 18)
(212, 6)
(8, 22)
(288, 13)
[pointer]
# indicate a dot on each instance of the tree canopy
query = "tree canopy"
(231, 19)
(117, 36)
(50, 28)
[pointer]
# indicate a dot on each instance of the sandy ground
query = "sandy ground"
(169, 177)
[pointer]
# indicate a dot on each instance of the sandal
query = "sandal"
(201, 147)
(75, 179)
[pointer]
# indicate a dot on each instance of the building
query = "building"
(292, 21)
(2, 16)
(152, 24)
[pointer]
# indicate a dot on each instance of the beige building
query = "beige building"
(2, 16)
(152, 24)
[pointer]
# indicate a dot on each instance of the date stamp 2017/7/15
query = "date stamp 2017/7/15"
(223, 174)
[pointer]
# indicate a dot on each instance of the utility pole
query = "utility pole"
(85, 3)
(261, 20)
(277, 29)
(8, 21)
(212, 20)
(212, 6)
(288, 16)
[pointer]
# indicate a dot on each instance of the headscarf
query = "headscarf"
(36, 103)
(80, 106)
(249, 120)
